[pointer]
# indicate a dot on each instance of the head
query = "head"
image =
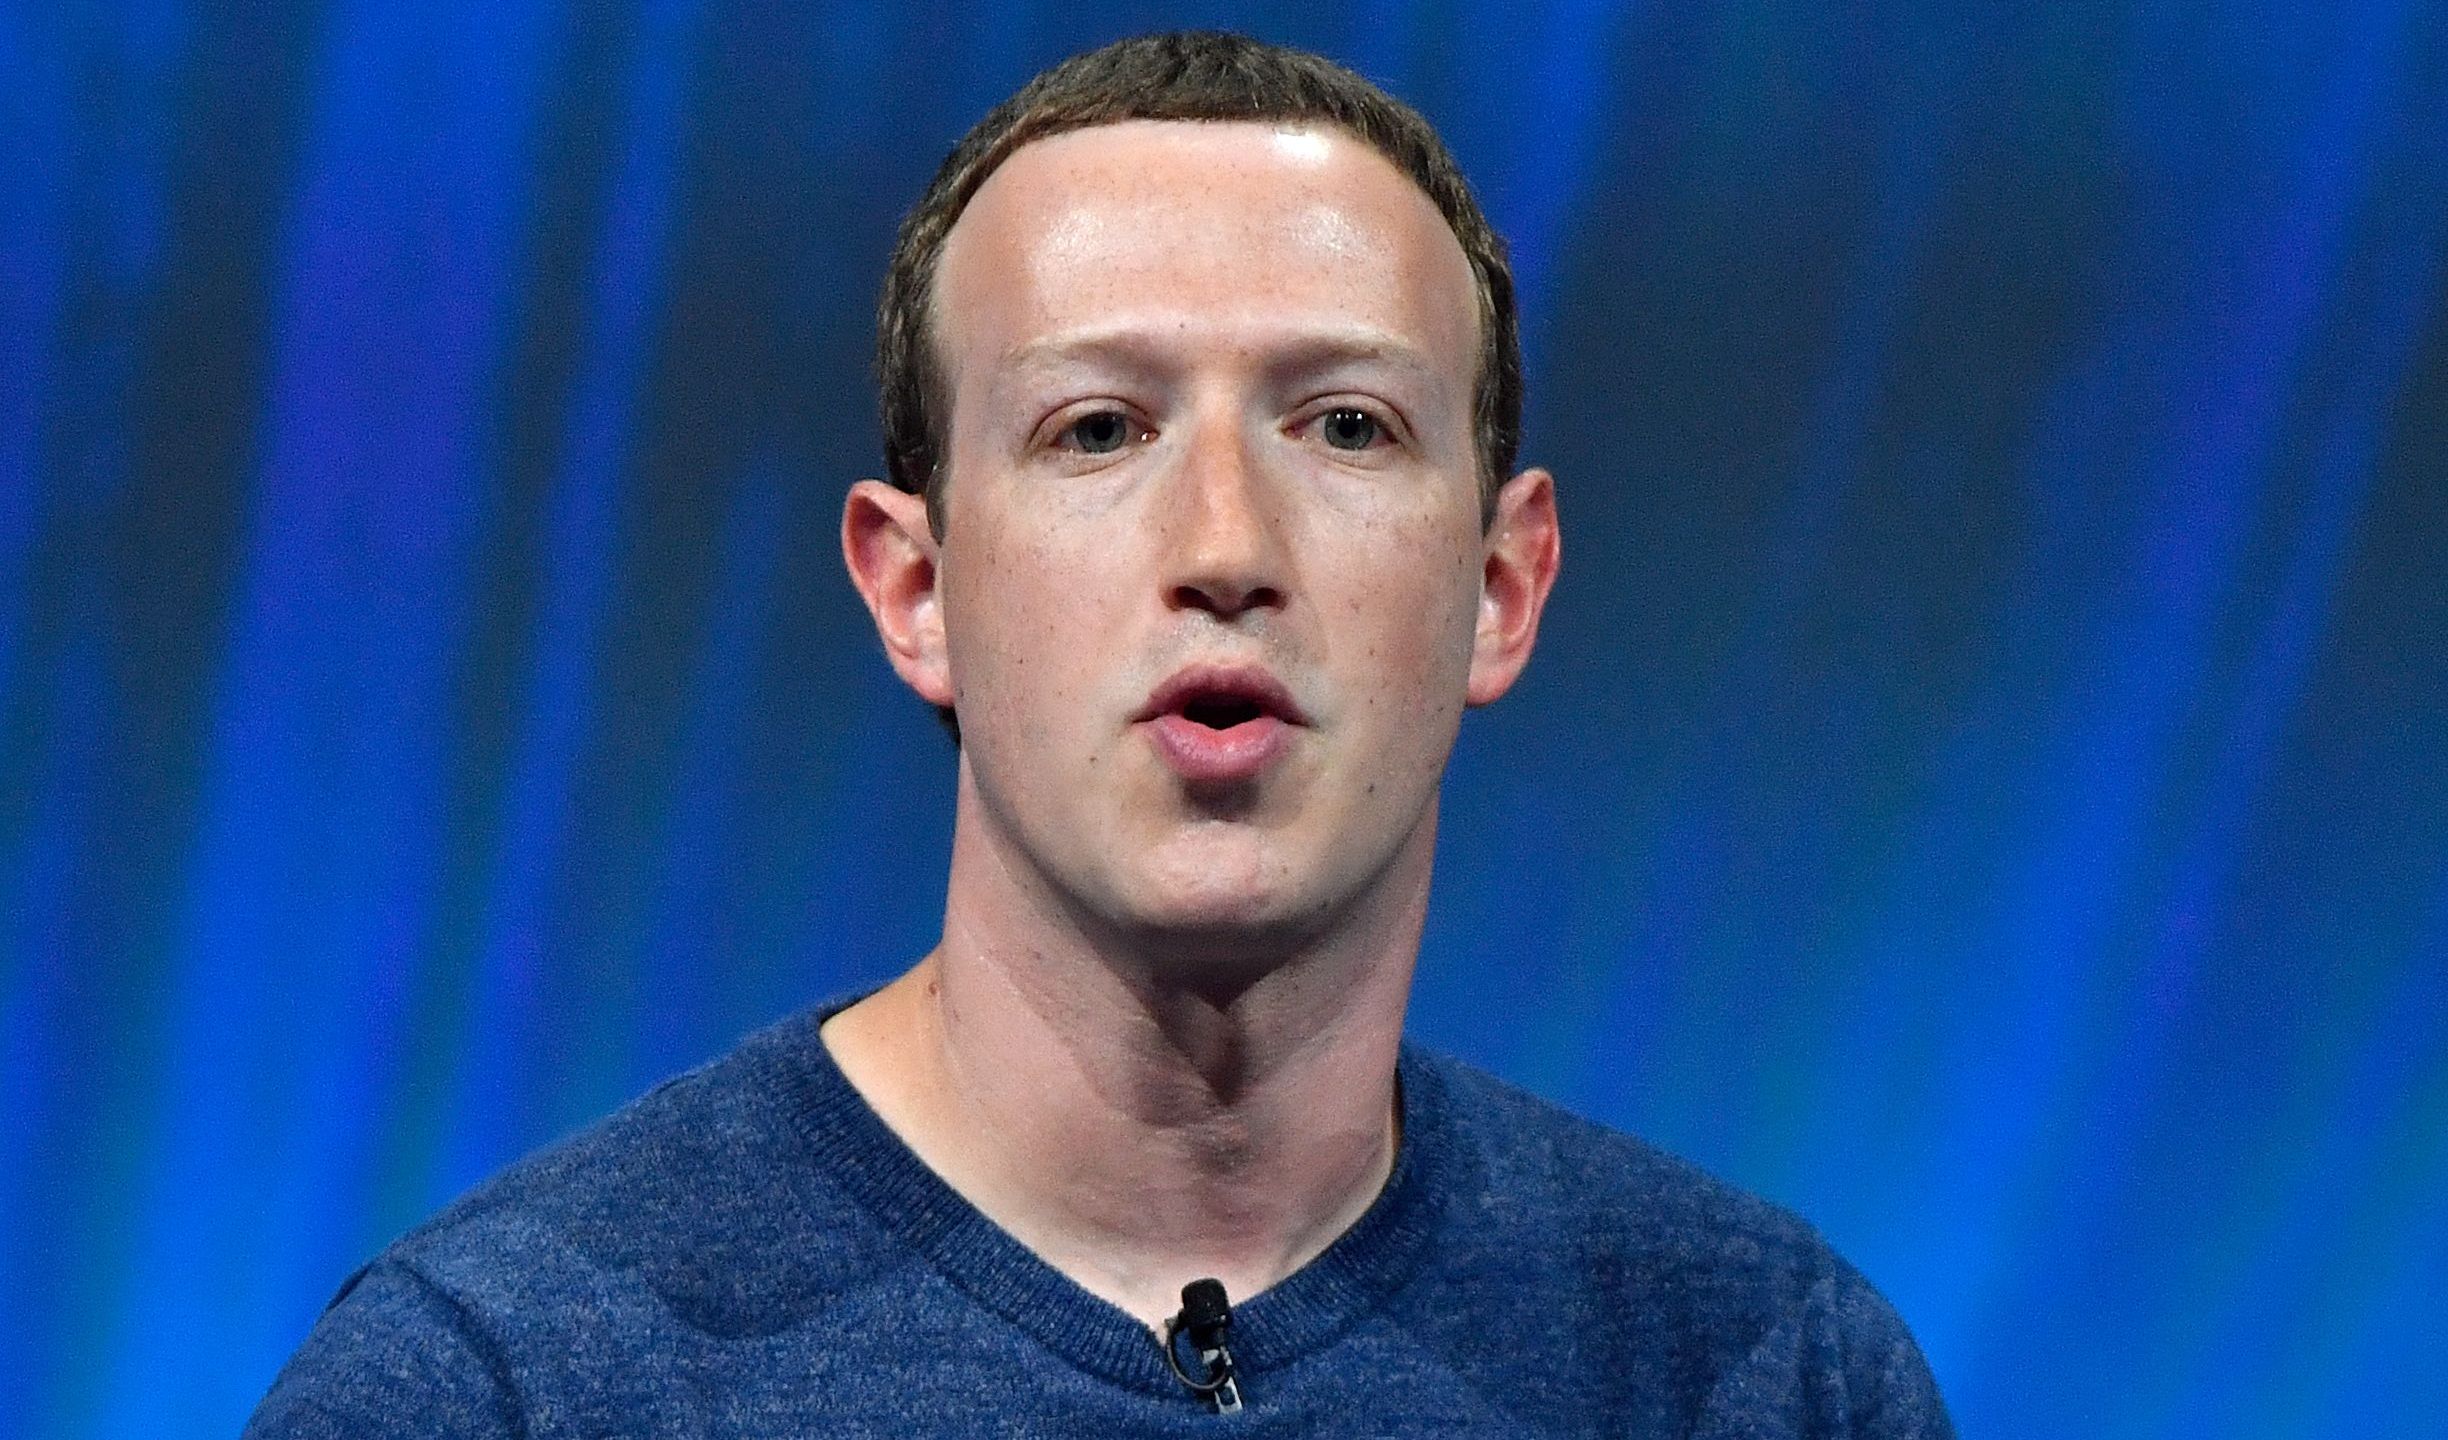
(1197, 76)
(1200, 423)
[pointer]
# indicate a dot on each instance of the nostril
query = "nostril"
(1223, 598)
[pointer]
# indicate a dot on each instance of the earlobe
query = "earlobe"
(1523, 552)
(894, 559)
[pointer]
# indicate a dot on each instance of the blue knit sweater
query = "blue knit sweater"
(749, 1251)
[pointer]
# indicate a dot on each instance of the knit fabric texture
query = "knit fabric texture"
(749, 1251)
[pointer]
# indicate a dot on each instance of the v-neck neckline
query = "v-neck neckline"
(853, 1150)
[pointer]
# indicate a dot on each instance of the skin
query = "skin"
(1158, 1037)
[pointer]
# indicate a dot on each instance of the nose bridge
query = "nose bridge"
(1226, 553)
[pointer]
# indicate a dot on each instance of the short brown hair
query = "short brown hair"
(1187, 75)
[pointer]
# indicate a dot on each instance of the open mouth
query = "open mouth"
(1222, 712)
(1222, 724)
(1222, 697)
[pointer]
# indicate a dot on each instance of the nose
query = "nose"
(1227, 555)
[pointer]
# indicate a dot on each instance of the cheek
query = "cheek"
(1417, 606)
(1026, 626)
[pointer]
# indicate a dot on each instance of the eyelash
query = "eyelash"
(1066, 433)
(1387, 430)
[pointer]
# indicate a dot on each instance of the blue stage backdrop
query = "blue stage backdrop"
(1985, 781)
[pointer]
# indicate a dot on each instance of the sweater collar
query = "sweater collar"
(853, 1150)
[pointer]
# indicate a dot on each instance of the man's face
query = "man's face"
(1212, 555)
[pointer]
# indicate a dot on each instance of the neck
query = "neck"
(1138, 1124)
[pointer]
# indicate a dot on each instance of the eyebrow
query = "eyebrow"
(1136, 353)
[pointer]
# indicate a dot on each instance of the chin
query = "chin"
(1235, 892)
(1224, 915)
(1220, 911)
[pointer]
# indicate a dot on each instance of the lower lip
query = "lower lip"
(1204, 755)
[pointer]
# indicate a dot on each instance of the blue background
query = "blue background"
(1982, 782)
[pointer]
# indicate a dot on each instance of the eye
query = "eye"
(1100, 433)
(1349, 429)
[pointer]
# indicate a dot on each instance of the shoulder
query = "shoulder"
(1734, 1304)
(1609, 1188)
(687, 1190)
(699, 1212)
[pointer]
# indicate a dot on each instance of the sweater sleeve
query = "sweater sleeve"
(1889, 1392)
(1837, 1365)
(394, 1355)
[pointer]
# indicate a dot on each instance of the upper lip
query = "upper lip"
(1223, 682)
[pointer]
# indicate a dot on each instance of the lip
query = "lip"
(1237, 682)
(1204, 755)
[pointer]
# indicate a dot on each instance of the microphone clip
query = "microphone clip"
(1205, 1320)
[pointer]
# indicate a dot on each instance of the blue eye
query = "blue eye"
(1349, 429)
(1101, 433)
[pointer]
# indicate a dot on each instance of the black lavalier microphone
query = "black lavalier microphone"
(1205, 1320)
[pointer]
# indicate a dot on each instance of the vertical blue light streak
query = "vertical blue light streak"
(1685, 856)
(318, 848)
(2368, 1361)
(2262, 1274)
(35, 175)
(39, 1059)
(558, 700)
(1541, 137)
(83, 180)
(691, 920)
(34, 883)
(2221, 348)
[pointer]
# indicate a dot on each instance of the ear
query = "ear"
(893, 558)
(1523, 551)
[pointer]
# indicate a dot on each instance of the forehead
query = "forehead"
(1246, 236)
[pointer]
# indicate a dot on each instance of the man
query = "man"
(1201, 391)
